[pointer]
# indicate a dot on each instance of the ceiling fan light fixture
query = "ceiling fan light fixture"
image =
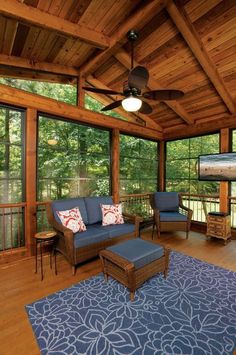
(131, 104)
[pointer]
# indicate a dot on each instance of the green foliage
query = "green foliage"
(77, 165)
(182, 164)
(138, 165)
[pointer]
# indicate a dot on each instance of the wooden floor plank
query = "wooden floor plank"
(20, 286)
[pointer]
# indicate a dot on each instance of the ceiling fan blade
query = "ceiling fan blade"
(102, 91)
(163, 95)
(112, 105)
(145, 108)
(138, 77)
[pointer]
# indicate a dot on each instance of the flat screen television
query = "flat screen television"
(217, 167)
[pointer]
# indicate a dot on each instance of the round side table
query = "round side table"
(44, 238)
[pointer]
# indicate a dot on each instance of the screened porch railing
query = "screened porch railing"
(12, 226)
(12, 216)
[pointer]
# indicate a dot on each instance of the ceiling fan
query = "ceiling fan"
(132, 88)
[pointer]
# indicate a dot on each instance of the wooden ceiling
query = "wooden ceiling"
(186, 45)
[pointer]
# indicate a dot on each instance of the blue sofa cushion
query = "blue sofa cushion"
(138, 251)
(94, 234)
(63, 205)
(116, 230)
(166, 201)
(172, 217)
(94, 209)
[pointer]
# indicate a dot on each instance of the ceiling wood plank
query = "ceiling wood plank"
(123, 57)
(22, 98)
(137, 20)
(202, 128)
(148, 121)
(186, 28)
(20, 11)
(18, 62)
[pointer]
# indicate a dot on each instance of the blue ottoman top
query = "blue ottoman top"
(138, 251)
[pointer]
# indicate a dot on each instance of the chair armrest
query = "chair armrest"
(186, 211)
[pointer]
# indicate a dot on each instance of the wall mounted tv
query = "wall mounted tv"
(217, 167)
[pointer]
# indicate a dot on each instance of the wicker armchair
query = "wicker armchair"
(169, 214)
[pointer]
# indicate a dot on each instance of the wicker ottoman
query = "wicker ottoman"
(133, 262)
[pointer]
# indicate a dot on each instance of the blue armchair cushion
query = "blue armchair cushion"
(172, 217)
(94, 234)
(94, 209)
(138, 251)
(63, 205)
(166, 201)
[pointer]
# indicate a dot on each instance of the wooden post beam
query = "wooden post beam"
(115, 167)
(137, 20)
(17, 62)
(145, 120)
(190, 35)
(24, 99)
(23, 12)
(224, 185)
(124, 58)
(31, 186)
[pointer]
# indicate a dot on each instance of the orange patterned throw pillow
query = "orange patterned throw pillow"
(72, 219)
(112, 214)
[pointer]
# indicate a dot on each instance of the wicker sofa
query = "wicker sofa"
(82, 246)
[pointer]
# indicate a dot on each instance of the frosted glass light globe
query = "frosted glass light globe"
(131, 104)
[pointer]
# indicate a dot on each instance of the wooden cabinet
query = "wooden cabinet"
(219, 227)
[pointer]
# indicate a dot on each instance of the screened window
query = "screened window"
(11, 155)
(73, 160)
(182, 164)
(62, 92)
(11, 177)
(138, 165)
(233, 183)
(94, 105)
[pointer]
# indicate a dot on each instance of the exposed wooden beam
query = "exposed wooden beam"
(224, 185)
(24, 99)
(23, 12)
(131, 117)
(206, 127)
(26, 74)
(190, 35)
(137, 20)
(124, 58)
(18, 62)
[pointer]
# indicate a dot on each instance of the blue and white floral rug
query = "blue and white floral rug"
(193, 312)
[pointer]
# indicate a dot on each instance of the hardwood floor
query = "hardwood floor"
(20, 285)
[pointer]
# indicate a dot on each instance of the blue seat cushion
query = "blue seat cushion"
(94, 209)
(94, 234)
(138, 251)
(68, 204)
(166, 201)
(172, 217)
(116, 230)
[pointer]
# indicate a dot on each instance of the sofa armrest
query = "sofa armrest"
(62, 232)
(136, 220)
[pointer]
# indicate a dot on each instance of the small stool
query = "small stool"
(133, 262)
(46, 237)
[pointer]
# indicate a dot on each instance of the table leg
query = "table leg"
(41, 260)
(36, 256)
(55, 259)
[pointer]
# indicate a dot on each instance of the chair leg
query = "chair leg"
(153, 227)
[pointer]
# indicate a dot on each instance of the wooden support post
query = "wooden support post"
(80, 91)
(31, 185)
(224, 185)
(161, 164)
(115, 167)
